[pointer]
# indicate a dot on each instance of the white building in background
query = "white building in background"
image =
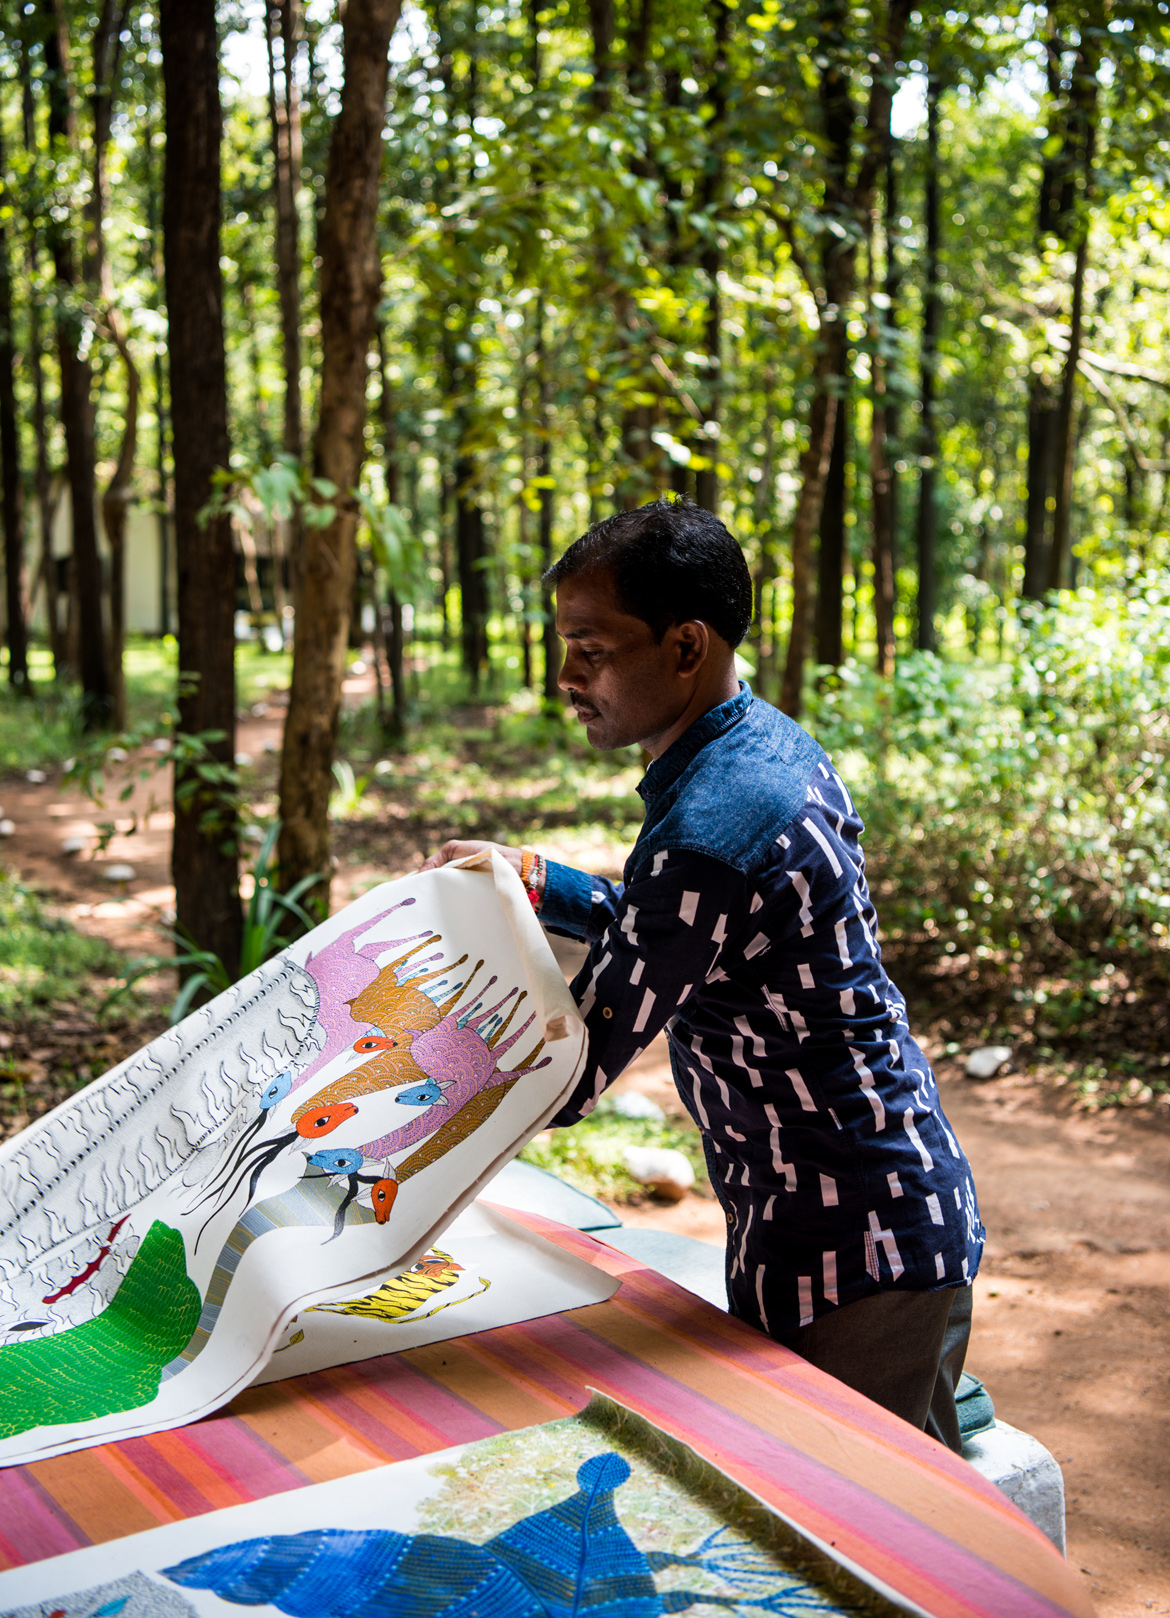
(146, 569)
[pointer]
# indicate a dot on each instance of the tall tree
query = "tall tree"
(11, 501)
(1082, 136)
(883, 471)
(927, 524)
(283, 24)
(710, 258)
(204, 861)
(46, 572)
(847, 192)
(351, 279)
(77, 411)
(107, 56)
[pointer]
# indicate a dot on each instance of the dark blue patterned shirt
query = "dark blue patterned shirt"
(745, 929)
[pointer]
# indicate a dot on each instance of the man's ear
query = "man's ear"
(693, 642)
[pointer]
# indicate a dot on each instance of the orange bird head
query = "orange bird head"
(374, 1042)
(315, 1124)
(382, 1199)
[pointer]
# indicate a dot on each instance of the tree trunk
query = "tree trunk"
(115, 509)
(389, 619)
(814, 469)
(107, 53)
(928, 440)
(350, 280)
(77, 415)
(11, 502)
(203, 860)
(283, 21)
(1083, 125)
(1043, 415)
(832, 552)
(707, 477)
(1055, 216)
(552, 651)
(846, 196)
(883, 475)
(46, 496)
(470, 560)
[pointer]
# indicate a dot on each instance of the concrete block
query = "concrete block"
(1019, 1464)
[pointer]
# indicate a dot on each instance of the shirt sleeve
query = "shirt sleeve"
(665, 935)
(576, 904)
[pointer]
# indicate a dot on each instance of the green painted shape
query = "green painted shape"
(110, 1363)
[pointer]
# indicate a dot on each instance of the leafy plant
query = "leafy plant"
(351, 789)
(268, 910)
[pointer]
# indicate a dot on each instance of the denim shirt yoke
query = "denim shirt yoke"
(728, 787)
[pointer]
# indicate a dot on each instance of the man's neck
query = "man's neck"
(711, 693)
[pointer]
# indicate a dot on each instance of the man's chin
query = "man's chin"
(602, 734)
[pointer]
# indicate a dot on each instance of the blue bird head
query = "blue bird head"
(338, 1160)
(276, 1090)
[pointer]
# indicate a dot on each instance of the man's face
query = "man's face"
(624, 685)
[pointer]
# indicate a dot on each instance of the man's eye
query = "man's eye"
(591, 653)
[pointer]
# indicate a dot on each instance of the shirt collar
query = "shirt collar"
(664, 771)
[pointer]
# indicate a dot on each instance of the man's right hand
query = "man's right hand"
(457, 850)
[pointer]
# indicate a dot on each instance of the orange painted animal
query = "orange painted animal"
(390, 1006)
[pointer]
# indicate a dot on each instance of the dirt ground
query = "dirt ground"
(1073, 1299)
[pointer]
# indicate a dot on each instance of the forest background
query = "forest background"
(376, 312)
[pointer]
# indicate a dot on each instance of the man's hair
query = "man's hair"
(670, 562)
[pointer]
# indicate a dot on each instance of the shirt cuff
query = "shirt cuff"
(567, 906)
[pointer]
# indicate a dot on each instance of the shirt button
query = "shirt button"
(607, 1011)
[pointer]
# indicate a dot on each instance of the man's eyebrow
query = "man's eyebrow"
(578, 634)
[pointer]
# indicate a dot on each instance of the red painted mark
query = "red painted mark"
(90, 1269)
(373, 1042)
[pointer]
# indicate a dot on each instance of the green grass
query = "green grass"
(43, 730)
(43, 960)
(589, 1155)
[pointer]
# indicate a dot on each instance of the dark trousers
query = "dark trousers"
(903, 1350)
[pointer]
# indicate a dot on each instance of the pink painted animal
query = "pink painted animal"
(341, 972)
(455, 1055)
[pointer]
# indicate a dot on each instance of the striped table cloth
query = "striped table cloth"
(885, 1497)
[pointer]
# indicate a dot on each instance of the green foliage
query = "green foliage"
(43, 960)
(268, 912)
(589, 1155)
(1025, 805)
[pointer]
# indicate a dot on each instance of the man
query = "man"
(745, 929)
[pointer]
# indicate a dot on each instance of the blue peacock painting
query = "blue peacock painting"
(572, 1559)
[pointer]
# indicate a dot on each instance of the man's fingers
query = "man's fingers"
(453, 850)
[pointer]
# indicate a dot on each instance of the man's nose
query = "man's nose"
(568, 679)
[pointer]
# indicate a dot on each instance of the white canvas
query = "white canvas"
(485, 1271)
(318, 1124)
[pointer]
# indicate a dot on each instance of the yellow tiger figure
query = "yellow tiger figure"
(397, 1299)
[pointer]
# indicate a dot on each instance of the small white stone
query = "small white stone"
(119, 873)
(37, 777)
(74, 845)
(270, 745)
(116, 755)
(661, 1169)
(253, 834)
(989, 1060)
(243, 760)
(259, 709)
(632, 1104)
(7, 827)
(161, 744)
